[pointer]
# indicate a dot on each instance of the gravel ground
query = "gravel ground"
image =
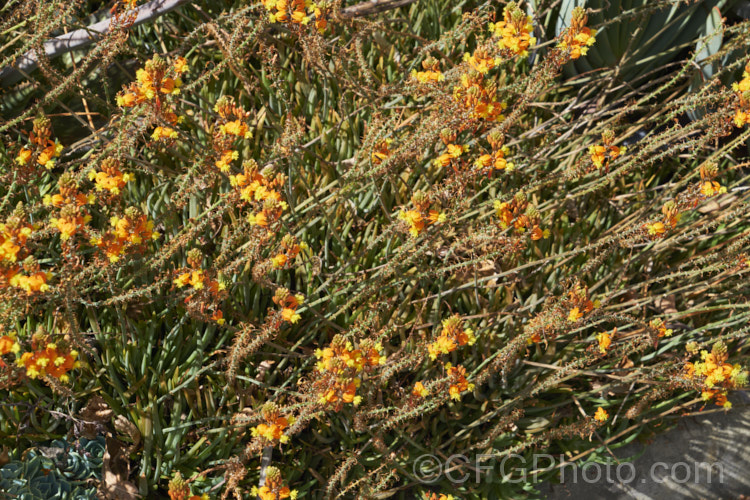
(703, 457)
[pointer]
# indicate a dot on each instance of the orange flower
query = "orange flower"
(13, 238)
(602, 155)
(577, 38)
(110, 178)
(8, 344)
(431, 73)
(23, 156)
(381, 152)
(47, 156)
(537, 233)
(218, 316)
(70, 225)
(481, 61)
(272, 431)
(660, 327)
(163, 133)
(224, 163)
(419, 390)
(459, 384)
(34, 282)
(514, 31)
(237, 128)
(417, 219)
(453, 335)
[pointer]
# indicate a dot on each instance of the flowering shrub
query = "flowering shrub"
(283, 249)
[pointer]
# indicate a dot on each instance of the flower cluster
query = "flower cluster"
(14, 235)
(481, 61)
(289, 304)
(671, 216)
(31, 280)
(579, 302)
(271, 432)
(430, 72)
(274, 488)
(130, 231)
(660, 328)
(452, 151)
(451, 337)
(232, 125)
(602, 154)
(709, 187)
(109, 177)
(514, 31)
(562, 314)
(421, 215)
(155, 79)
(262, 191)
(521, 215)
(341, 366)
(178, 489)
(287, 253)
(298, 12)
(42, 150)
(206, 292)
(577, 39)
(479, 96)
(458, 382)
(155, 83)
(380, 152)
(67, 194)
(715, 375)
(671, 210)
(742, 90)
(72, 217)
(72, 221)
(48, 360)
(497, 158)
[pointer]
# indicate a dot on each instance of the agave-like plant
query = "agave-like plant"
(636, 38)
(65, 477)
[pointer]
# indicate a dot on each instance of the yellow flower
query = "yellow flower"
(710, 188)
(514, 30)
(601, 414)
(419, 390)
(605, 340)
(181, 65)
(23, 156)
(163, 133)
(656, 228)
(575, 315)
(290, 315)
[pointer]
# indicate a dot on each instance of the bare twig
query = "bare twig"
(80, 38)
(372, 7)
(147, 12)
